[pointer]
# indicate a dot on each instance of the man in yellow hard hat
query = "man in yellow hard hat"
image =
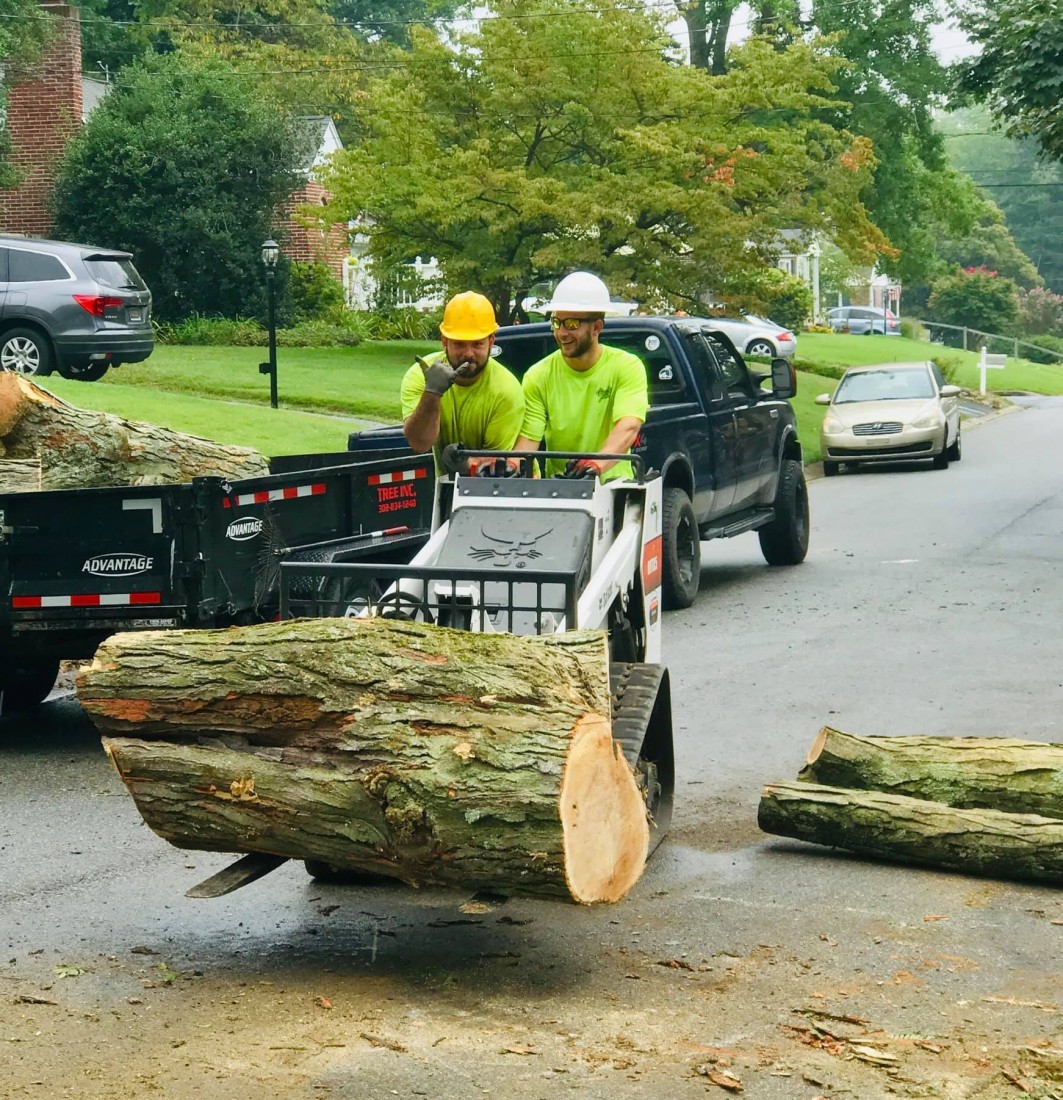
(460, 394)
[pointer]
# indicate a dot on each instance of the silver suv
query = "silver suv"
(71, 308)
(863, 321)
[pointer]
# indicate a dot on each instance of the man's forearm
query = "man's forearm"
(525, 444)
(421, 427)
(620, 439)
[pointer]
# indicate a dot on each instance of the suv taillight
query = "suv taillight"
(97, 303)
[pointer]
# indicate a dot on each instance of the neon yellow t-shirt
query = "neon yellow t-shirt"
(486, 414)
(576, 410)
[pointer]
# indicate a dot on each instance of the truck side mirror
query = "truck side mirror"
(783, 378)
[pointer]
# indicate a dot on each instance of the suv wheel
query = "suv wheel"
(784, 541)
(682, 550)
(88, 372)
(25, 351)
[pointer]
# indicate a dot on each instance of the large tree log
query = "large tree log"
(999, 773)
(432, 755)
(47, 444)
(912, 830)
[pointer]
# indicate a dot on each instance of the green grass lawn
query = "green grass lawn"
(325, 393)
(362, 381)
(838, 349)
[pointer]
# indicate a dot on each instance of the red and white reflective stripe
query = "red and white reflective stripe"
(398, 475)
(84, 599)
(385, 533)
(266, 496)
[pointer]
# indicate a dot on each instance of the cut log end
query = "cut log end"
(603, 817)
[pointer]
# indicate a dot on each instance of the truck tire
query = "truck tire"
(784, 541)
(26, 684)
(682, 550)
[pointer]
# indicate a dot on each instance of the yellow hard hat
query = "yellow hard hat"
(468, 316)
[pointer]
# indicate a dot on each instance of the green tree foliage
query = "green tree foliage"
(976, 298)
(1027, 186)
(891, 81)
(1018, 73)
(1040, 313)
(540, 146)
(391, 20)
(770, 292)
(25, 31)
(184, 165)
(315, 293)
(990, 245)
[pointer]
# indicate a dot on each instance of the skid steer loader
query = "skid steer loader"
(516, 553)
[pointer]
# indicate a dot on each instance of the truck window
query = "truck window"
(665, 380)
(735, 375)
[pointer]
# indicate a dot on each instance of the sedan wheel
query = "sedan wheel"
(25, 351)
(760, 347)
(955, 450)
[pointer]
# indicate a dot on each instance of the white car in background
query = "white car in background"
(754, 335)
(890, 412)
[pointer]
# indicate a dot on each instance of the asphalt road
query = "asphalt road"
(929, 603)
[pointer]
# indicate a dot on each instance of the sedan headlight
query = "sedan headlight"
(832, 426)
(929, 420)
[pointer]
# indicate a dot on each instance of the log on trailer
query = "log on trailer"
(434, 756)
(46, 444)
(916, 831)
(999, 773)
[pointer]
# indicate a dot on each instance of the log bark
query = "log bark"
(436, 756)
(1001, 773)
(913, 830)
(46, 443)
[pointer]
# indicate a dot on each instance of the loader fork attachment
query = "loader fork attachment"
(642, 725)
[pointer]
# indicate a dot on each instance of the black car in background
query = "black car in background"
(72, 308)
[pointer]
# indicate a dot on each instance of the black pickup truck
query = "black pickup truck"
(726, 447)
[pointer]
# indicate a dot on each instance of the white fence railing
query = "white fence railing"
(975, 339)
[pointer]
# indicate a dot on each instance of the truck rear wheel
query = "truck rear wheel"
(784, 541)
(26, 684)
(682, 550)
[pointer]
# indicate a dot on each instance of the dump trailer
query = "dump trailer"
(77, 565)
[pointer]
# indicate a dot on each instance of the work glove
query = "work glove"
(582, 467)
(494, 467)
(440, 375)
(454, 459)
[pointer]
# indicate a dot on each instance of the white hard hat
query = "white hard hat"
(581, 291)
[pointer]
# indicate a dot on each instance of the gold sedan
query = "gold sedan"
(891, 412)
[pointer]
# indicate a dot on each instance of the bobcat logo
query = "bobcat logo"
(604, 393)
(515, 552)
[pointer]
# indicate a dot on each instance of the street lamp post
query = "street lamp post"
(814, 251)
(270, 254)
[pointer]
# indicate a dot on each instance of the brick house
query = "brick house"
(46, 111)
(42, 115)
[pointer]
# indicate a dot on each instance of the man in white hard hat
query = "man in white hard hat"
(586, 396)
(461, 395)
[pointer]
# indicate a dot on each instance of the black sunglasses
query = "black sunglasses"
(570, 324)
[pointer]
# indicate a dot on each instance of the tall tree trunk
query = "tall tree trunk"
(47, 444)
(432, 755)
(1001, 773)
(697, 27)
(912, 830)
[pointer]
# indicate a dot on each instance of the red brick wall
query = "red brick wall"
(42, 115)
(305, 244)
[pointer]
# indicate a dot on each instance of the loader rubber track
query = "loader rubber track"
(642, 725)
